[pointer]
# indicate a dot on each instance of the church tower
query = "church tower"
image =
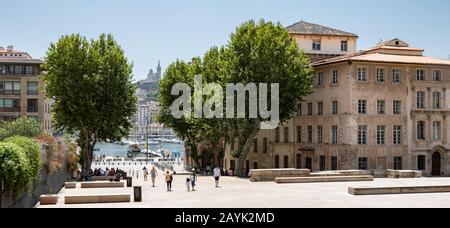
(158, 70)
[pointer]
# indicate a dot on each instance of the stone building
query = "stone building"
(21, 90)
(378, 109)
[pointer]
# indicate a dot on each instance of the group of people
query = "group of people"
(101, 173)
(153, 174)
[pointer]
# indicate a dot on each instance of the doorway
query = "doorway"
(309, 164)
(436, 164)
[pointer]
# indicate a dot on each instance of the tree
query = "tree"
(32, 151)
(265, 53)
(15, 172)
(26, 127)
(90, 82)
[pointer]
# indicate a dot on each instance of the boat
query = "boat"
(134, 148)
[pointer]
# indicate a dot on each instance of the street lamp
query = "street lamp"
(146, 135)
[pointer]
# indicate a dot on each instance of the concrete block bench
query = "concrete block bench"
(403, 173)
(398, 190)
(70, 185)
(48, 199)
(261, 175)
(292, 180)
(346, 173)
(102, 184)
(103, 198)
(102, 178)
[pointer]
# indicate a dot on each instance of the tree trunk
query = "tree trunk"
(240, 166)
(86, 144)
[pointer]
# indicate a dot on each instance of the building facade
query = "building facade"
(378, 109)
(21, 89)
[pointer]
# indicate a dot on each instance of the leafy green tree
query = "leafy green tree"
(91, 84)
(27, 127)
(265, 53)
(32, 150)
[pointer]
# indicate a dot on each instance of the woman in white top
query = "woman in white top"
(217, 174)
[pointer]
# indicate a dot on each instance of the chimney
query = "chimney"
(10, 48)
(2, 48)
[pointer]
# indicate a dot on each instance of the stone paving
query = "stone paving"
(241, 193)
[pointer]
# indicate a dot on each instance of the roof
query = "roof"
(307, 28)
(366, 56)
(21, 60)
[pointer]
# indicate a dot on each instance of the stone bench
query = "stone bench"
(48, 199)
(102, 184)
(260, 175)
(398, 190)
(70, 185)
(346, 173)
(102, 178)
(292, 180)
(403, 174)
(104, 198)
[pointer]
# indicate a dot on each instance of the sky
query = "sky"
(167, 30)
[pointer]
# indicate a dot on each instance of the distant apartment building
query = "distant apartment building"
(321, 42)
(377, 109)
(21, 90)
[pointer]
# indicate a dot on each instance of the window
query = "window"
(299, 109)
(362, 106)
(436, 100)
(421, 99)
(9, 105)
(286, 162)
(437, 75)
(18, 69)
(286, 135)
(362, 77)
(299, 161)
(320, 108)
(277, 162)
(380, 75)
(10, 88)
(362, 135)
(344, 46)
(335, 77)
(363, 164)
(2, 69)
(319, 134)
(421, 130)
(299, 134)
(277, 135)
(397, 109)
(255, 165)
(334, 134)
(334, 163)
(335, 107)
(310, 109)
(420, 75)
(29, 70)
(32, 105)
(255, 145)
(316, 46)
(436, 130)
(398, 163)
(265, 145)
(32, 88)
(397, 135)
(310, 132)
(397, 76)
(381, 135)
(322, 163)
(320, 78)
(381, 107)
(421, 162)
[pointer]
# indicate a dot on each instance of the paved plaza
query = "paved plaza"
(241, 193)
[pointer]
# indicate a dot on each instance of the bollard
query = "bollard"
(137, 194)
(129, 182)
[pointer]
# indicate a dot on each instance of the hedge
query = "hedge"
(32, 150)
(15, 171)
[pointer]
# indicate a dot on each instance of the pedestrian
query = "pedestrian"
(169, 179)
(217, 174)
(145, 174)
(188, 184)
(193, 178)
(153, 174)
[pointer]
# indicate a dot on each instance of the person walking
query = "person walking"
(169, 179)
(193, 178)
(153, 174)
(188, 184)
(217, 174)
(145, 174)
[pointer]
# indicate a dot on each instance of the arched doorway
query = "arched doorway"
(436, 164)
